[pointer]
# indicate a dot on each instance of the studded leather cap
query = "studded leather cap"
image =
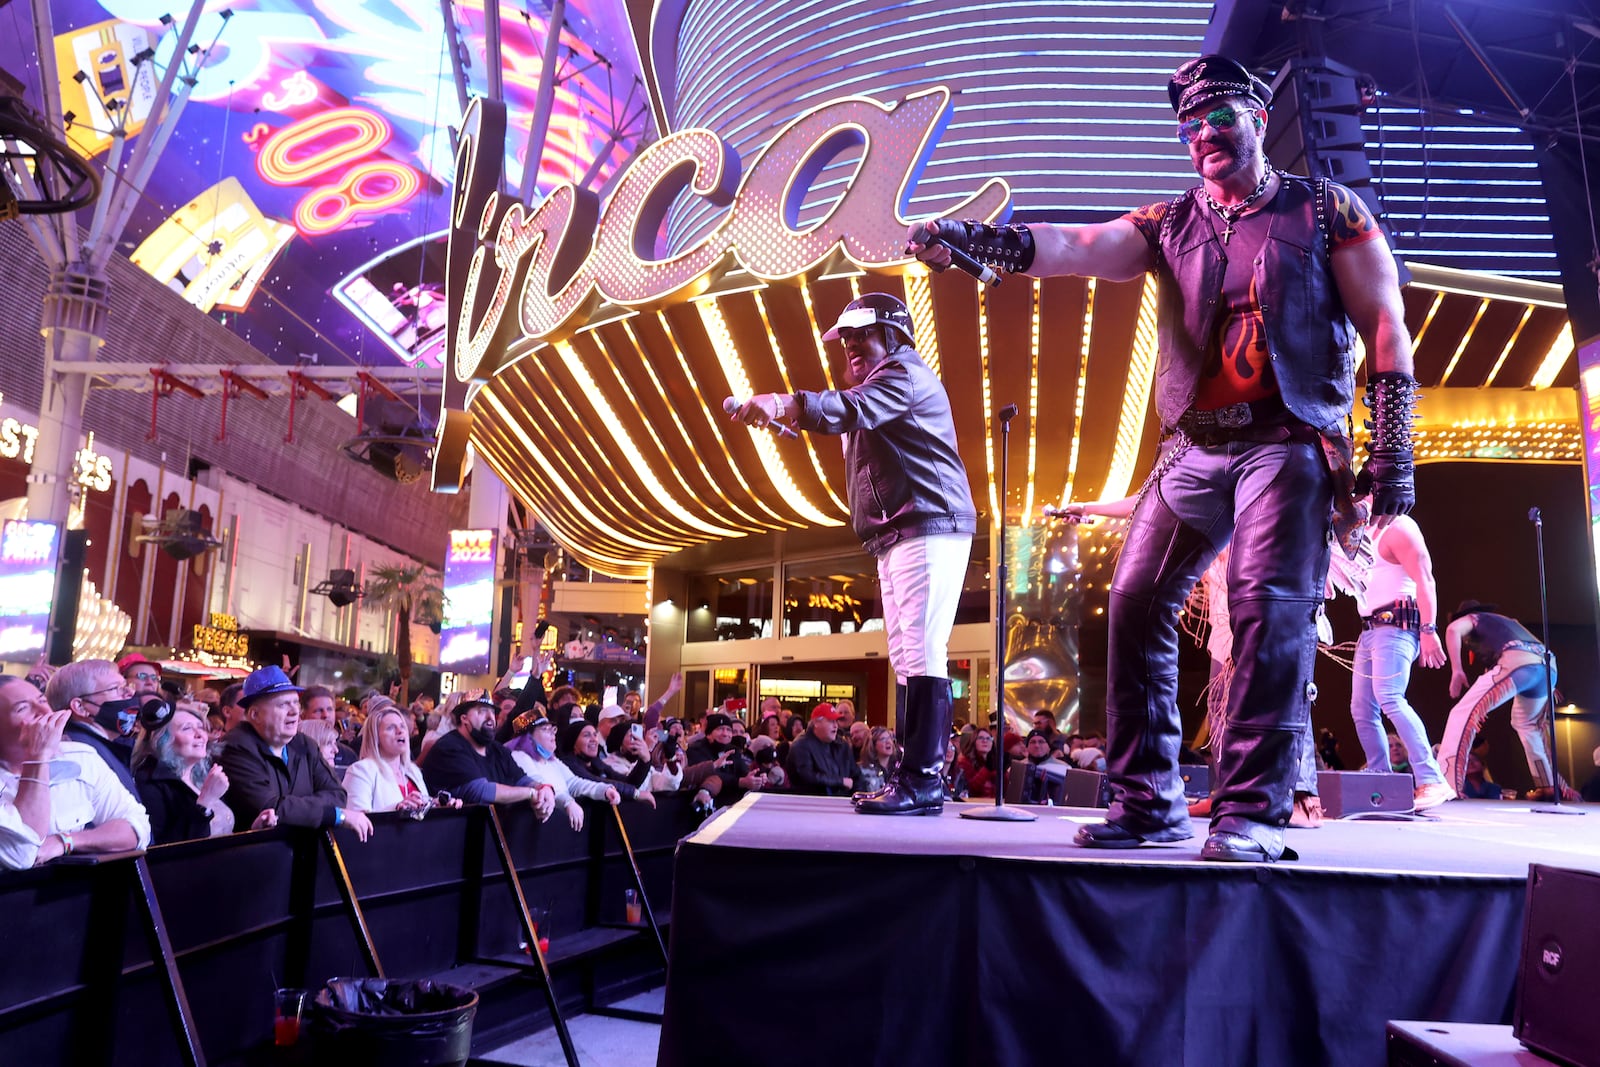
(1207, 78)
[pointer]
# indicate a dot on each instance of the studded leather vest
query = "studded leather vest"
(1309, 339)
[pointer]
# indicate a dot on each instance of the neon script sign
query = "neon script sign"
(521, 275)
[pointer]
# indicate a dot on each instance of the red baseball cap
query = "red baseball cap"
(824, 711)
(135, 659)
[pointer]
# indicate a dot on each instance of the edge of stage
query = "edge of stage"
(846, 939)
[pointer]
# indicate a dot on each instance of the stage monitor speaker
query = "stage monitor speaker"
(1033, 783)
(1560, 970)
(1346, 794)
(1196, 779)
(1086, 789)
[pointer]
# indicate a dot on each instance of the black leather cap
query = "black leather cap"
(1208, 78)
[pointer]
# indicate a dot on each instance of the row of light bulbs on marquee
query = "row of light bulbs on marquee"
(102, 626)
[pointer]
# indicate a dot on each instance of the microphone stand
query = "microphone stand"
(1001, 813)
(1549, 678)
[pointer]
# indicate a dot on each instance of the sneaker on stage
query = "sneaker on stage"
(1431, 796)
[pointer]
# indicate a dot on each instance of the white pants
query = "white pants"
(921, 581)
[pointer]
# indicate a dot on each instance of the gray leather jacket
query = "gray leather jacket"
(906, 476)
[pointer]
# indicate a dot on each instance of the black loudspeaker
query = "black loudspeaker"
(1346, 794)
(1560, 970)
(1196, 779)
(187, 534)
(69, 589)
(1086, 789)
(343, 591)
(1315, 128)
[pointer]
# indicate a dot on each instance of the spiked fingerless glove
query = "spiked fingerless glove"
(1390, 468)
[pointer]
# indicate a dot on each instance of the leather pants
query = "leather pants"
(1272, 500)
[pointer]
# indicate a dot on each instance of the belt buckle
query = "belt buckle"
(1234, 416)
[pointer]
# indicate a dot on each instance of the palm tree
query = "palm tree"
(407, 590)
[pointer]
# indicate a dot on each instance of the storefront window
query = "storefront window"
(831, 596)
(730, 606)
(840, 595)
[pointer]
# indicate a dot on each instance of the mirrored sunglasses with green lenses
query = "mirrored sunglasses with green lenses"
(1223, 118)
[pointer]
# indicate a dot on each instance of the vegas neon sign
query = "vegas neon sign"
(519, 276)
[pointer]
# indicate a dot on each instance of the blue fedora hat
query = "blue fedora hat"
(266, 681)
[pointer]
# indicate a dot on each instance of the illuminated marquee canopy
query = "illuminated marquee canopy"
(589, 369)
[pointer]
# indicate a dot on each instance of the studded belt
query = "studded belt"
(1219, 423)
(1402, 614)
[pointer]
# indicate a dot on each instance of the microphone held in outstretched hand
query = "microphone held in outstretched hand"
(732, 406)
(960, 259)
(1066, 515)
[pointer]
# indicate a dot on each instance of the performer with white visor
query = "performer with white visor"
(911, 505)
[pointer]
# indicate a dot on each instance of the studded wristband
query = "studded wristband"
(1007, 248)
(1391, 467)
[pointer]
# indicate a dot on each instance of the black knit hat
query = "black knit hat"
(567, 739)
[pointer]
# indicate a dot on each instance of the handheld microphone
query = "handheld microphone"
(961, 260)
(732, 406)
(1065, 514)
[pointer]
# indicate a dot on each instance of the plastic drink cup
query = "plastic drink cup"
(287, 1004)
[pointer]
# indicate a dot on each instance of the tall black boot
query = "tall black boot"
(916, 787)
(900, 724)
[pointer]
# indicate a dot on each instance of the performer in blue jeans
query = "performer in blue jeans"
(1391, 578)
(1512, 665)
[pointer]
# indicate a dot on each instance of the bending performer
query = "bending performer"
(1511, 660)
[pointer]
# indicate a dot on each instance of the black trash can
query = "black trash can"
(395, 1024)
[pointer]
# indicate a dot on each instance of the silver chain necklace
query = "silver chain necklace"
(1230, 215)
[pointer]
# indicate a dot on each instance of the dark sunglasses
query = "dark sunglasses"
(1223, 118)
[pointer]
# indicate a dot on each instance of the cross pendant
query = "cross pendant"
(1227, 232)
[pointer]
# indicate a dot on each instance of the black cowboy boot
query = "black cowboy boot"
(900, 721)
(1161, 560)
(917, 787)
(1269, 702)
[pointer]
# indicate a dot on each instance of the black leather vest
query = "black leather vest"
(1310, 340)
(1489, 636)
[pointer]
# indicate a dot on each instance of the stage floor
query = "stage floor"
(955, 941)
(1491, 838)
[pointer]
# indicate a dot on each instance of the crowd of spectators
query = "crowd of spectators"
(99, 756)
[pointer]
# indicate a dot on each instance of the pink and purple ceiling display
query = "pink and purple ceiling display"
(307, 178)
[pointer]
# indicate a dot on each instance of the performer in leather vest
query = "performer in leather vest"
(911, 505)
(1265, 281)
(1506, 663)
